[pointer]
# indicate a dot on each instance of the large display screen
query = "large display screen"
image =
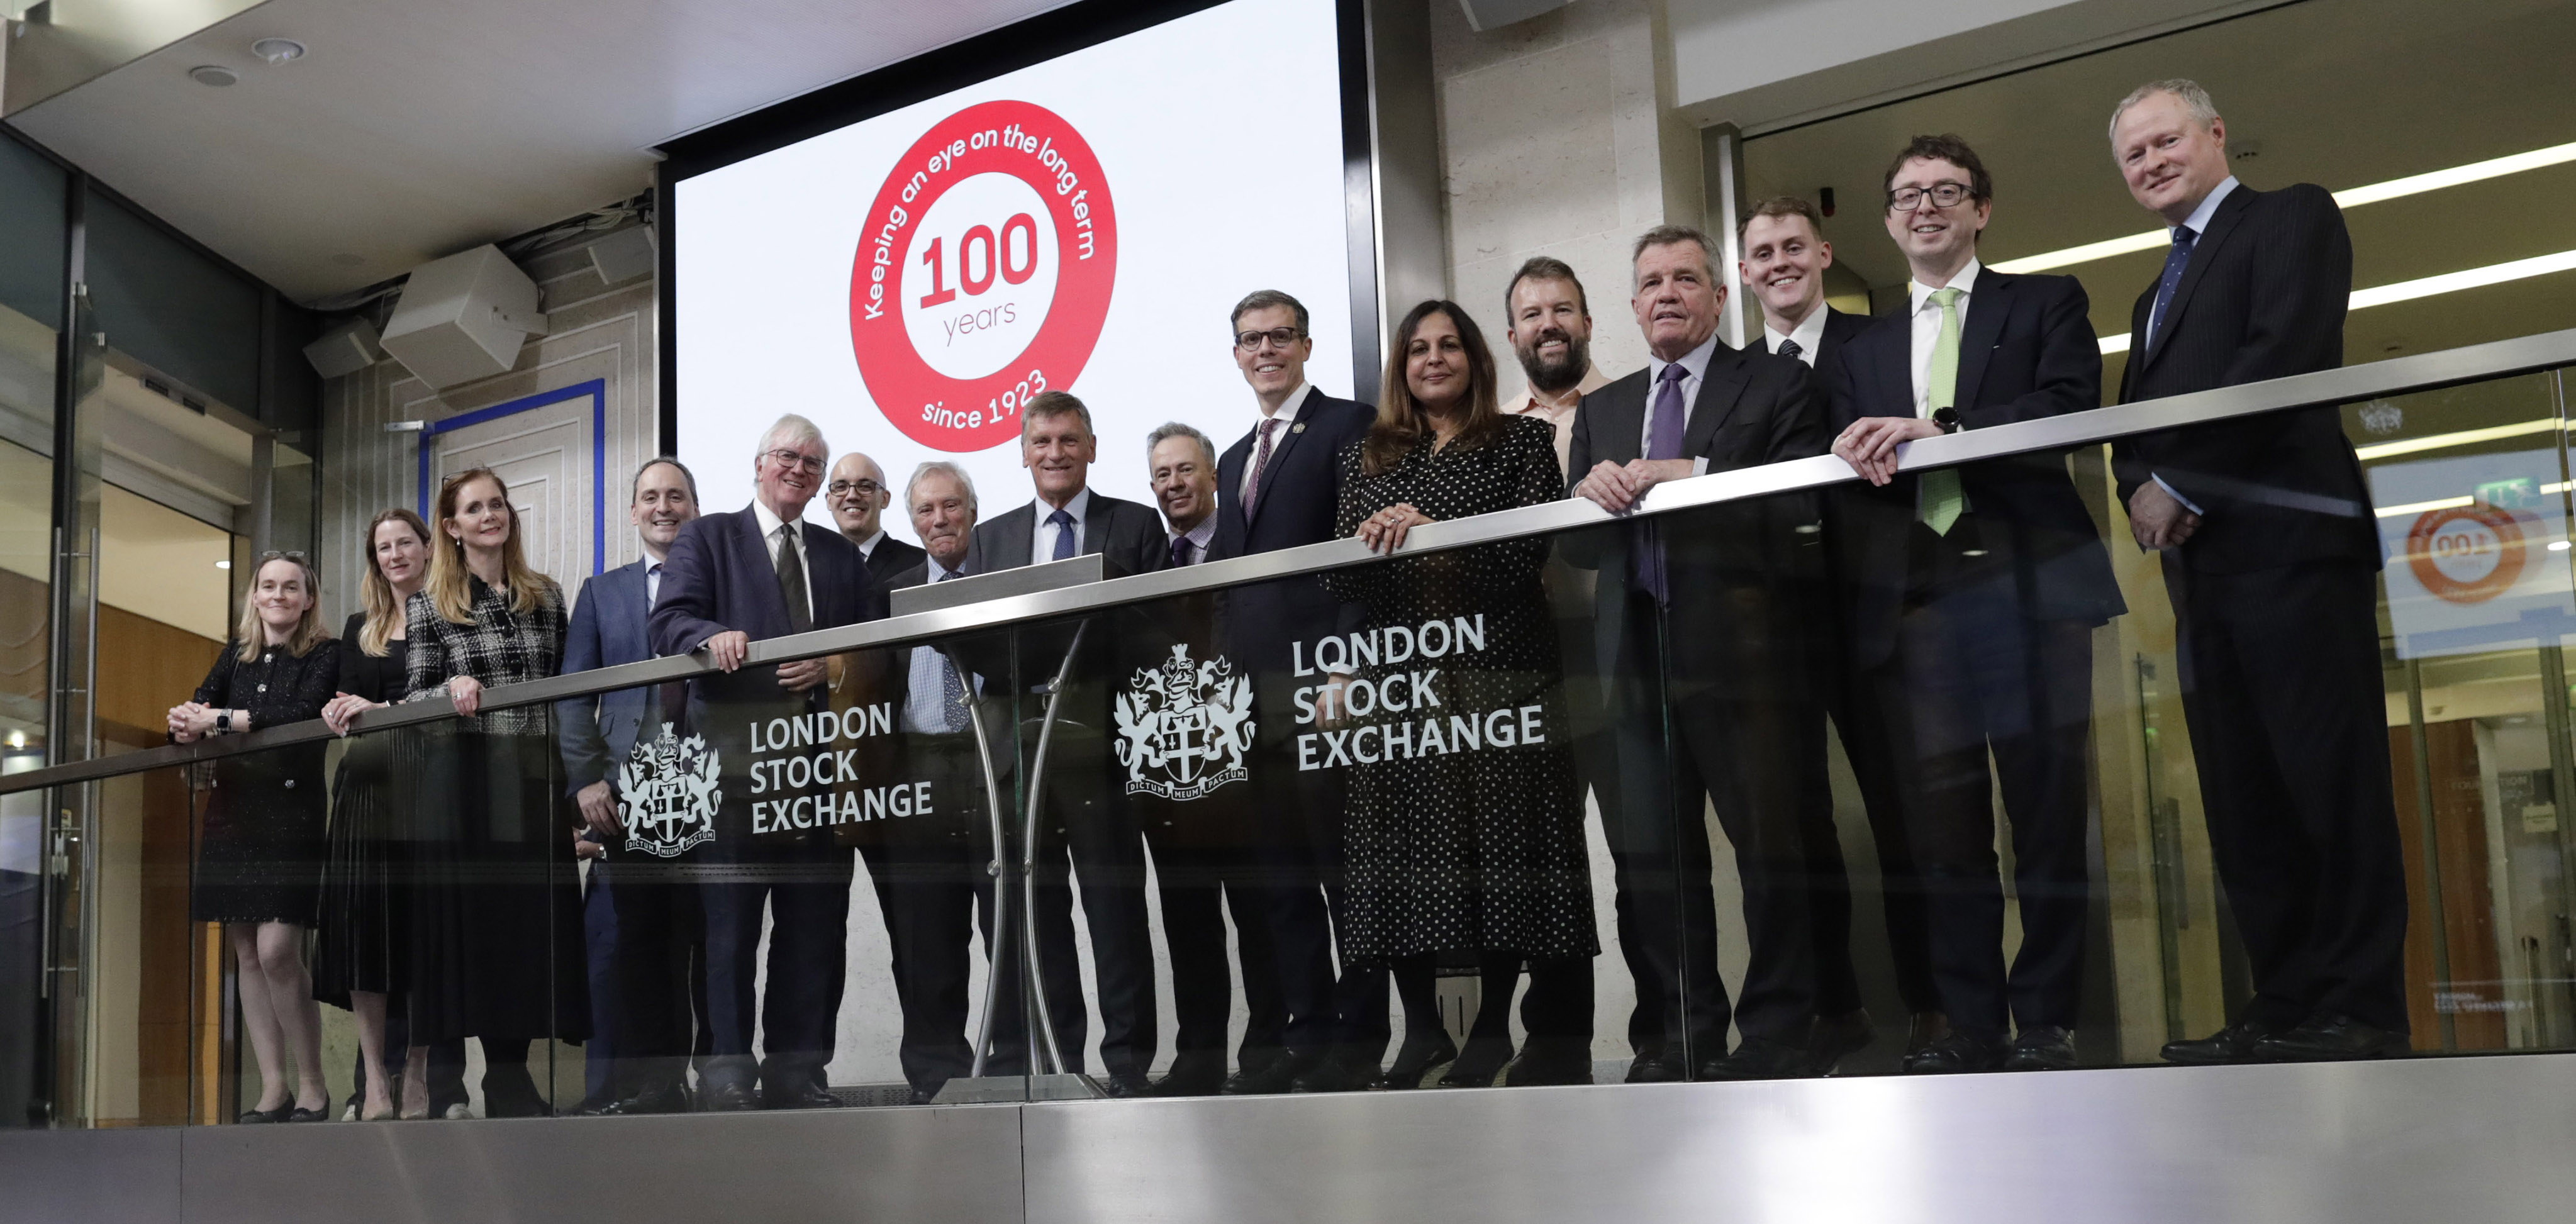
(1083, 224)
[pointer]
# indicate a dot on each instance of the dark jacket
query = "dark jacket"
(1128, 535)
(891, 558)
(609, 627)
(2026, 351)
(2264, 296)
(1299, 495)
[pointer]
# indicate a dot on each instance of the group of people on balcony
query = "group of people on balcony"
(1651, 669)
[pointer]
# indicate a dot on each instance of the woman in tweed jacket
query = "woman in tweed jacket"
(496, 923)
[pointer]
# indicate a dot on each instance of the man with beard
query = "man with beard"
(1551, 330)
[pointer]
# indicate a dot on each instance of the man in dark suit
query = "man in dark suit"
(2270, 550)
(732, 579)
(1785, 257)
(1279, 486)
(644, 909)
(1736, 584)
(1087, 817)
(857, 497)
(1972, 598)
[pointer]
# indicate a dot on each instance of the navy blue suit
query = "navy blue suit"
(1299, 812)
(719, 577)
(594, 735)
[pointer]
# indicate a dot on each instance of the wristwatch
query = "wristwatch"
(223, 722)
(1947, 419)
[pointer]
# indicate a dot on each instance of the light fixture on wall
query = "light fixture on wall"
(278, 50)
(223, 565)
(214, 76)
(2427, 286)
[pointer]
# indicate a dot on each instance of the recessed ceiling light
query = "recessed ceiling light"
(277, 50)
(225, 565)
(215, 75)
(17, 739)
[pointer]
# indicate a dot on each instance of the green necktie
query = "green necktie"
(1938, 498)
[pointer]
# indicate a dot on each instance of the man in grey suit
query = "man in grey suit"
(1086, 818)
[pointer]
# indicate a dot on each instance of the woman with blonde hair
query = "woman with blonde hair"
(495, 925)
(259, 858)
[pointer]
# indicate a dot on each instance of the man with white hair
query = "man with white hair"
(2270, 548)
(731, 579)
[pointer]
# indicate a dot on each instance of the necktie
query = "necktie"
(2176, 260)
(1180, 551)
(1063, 523)
(952, 687)
(1938, 498)
(1663, 441)
(1789, 348)
(791, 581)
(1260, 460)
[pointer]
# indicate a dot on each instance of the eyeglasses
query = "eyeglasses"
(864, 488)
(786, 458)
(1279, 337)
(1944, 194)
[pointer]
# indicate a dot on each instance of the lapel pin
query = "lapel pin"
(1299, 427)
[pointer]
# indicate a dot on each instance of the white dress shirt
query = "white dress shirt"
(1927, 327)
(1199, 537)
(1694, 366)
(769, 525)
(1042, 539)
(926, 690)
(1287, 418)
(652, 583)
(1809, 333)
(868, 550)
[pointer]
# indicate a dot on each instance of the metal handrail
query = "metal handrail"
(2350, 384)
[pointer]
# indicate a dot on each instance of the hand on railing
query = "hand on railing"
(191, 721)
(1869, 446)
(344, 709)
(466, 694)
(727, 649)
(1617, 487)
(1384, 531)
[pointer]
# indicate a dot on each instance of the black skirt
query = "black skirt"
(259, 854)
(493, 904)
(360, 939)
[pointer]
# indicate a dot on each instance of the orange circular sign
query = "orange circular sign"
(2467, 554)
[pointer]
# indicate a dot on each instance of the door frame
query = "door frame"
(597, 390)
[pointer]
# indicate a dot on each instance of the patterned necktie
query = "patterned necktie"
(2176, 260)
(1789, 349)
(952, 687)
(791, 581)
(1260, 460)
(1063, 535)
(1663, 441)
(1180, 551)
(1938, 497)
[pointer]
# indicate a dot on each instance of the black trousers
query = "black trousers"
(805, 890)
(1087, 837)
(1198, 873)
(932, 876)
(1854, 710)
(1294, 820)
(2281, 685)
(658, 965)
(1749, 746)
(1973, 675)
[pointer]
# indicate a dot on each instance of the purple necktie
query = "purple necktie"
(1180, 551)
(1260, 460)
(1663, 441)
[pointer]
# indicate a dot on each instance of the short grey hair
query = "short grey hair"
(790, 430)
(658, 461)
(2195, 101)
(944, 468)
(1053, 404)
(1673, 235)
(1174, 429)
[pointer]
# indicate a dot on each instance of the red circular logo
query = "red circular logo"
(2467, 554)
(983, 275)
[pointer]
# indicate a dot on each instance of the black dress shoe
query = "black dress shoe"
(2233, 1044)
(1126, 1085)
(2045, 1048)
(1760, 1058)
(728, 1098)
(1262, 1079)
(1655, 1069)
(1551, 1061)
(265, 1117)
(668, 1099)
(925, 1096)
(301, 1114)
(1478, 1064)
(1324, 1073)
(1417, 1057)
(1838, 1037)
(1958, 1052)
(2332, 1038)
(1193, 1075)
(808, 1095)
(1922, 1029)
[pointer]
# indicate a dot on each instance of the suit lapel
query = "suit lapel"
(2204, 251)
(1977, 337)
(1616, 435)
(1719, 392)
(1287, 439)
(1887, 356)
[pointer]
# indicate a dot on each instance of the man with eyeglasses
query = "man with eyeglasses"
(2270, 551)
(732, 579)
(1970, 596)
(857, 498)
(1279, 486)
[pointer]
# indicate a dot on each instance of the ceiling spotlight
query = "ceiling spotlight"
(214, 75)
(223, 565)
(277, 50)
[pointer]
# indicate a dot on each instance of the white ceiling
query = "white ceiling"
(413, 130)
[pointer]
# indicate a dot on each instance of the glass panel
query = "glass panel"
(31, 284)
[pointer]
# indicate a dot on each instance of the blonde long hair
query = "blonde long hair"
(384, 612)
(309, 632)
(449, 588)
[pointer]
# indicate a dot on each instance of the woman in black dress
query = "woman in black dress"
(1465, 834)
(259, 860)
(495, 925)
(354, 955)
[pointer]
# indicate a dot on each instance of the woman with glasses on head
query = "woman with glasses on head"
(259, 859)
(1464, 827)
(494, 927)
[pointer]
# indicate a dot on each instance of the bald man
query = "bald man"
(857, 497)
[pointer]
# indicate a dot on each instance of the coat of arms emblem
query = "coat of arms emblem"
(668, 793)
(1183, 727)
